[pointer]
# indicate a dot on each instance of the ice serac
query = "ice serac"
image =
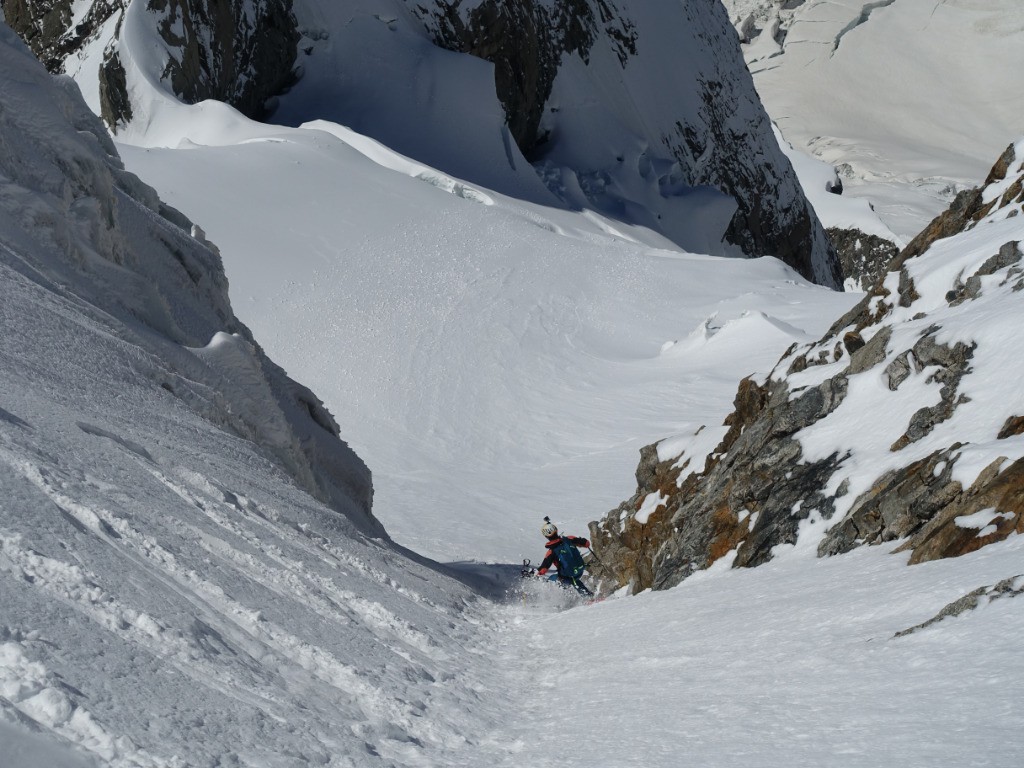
(645, 112)
(903, 423)
(77, 223)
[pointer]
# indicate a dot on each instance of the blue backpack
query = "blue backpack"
(570, 561)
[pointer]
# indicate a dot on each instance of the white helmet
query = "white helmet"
(549, 529)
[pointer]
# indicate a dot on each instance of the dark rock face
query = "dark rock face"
(864, 258)
(771, 220)
(45, 25)
(115, 106)
(528, 43)
(709, 131)
(241, 52)
(757, 488)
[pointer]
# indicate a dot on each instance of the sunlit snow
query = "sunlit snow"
(171, 597)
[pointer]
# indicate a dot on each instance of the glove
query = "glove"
(541, 571)
(586, 544)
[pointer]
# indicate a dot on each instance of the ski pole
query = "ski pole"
(598, 559)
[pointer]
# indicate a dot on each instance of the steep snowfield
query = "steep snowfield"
(913, 98)
(491, 360)
(170, 598)
(170, 592)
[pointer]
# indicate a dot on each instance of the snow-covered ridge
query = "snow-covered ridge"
(137, 259)
(173, 592)
(902, 423)
(564, 102)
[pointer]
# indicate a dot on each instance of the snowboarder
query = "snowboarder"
(562, 550)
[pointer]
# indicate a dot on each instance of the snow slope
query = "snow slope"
(462, 336)
(561, 102)
(790, 664)
(493, 361)
(171, 591)
(170, 596)
(911, 98)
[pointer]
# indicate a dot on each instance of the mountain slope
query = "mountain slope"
(493, 361)
(575, 86)
(172, 597)
(911, 99)
(173, 593)
(901, 423)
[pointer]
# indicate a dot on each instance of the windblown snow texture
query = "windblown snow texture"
(143, 262)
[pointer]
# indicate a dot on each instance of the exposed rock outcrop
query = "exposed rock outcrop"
(710, 138)
(864, 258)
(241, 52)
(526, 41)
(971, 206)
(875, 433)
(1011, 587)
(50, 28)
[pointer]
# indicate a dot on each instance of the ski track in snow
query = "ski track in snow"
(170, 599)
(164, 553)
(274, 637)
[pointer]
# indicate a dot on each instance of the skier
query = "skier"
(563, 551)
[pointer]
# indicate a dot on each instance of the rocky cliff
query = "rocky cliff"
(902, 424)
(865, 257)
(645, 113)
(526, 41)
